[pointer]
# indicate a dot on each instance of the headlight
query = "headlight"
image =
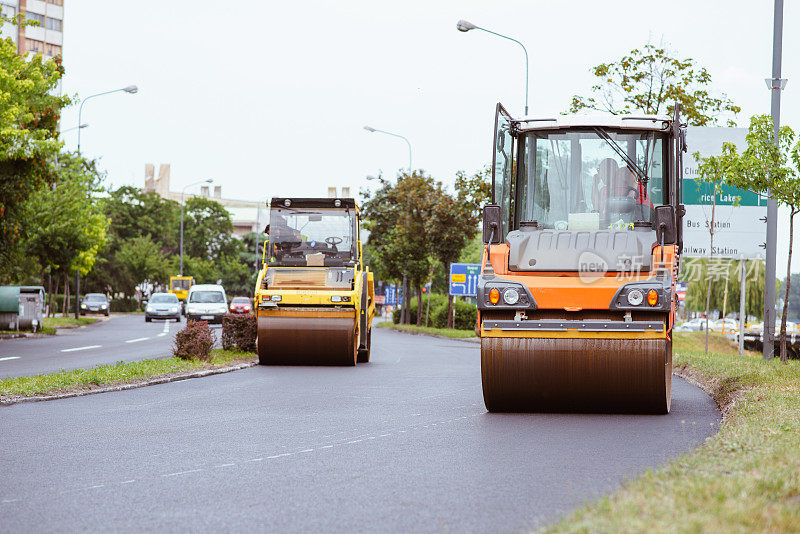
(103, 306)
(174, 309)
(336, 298)
(83, 305)
(635, 297)
(150, 309)
(275, 298)
(510, 296)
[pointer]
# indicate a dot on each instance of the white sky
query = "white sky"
(270, 98)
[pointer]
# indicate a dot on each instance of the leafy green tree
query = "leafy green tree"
(64, 224)
(29, 113)
(142, 259)
(208, 230)
(133, 213)
(649, 80)
(725, 277)
(712, 171)
(768, 167)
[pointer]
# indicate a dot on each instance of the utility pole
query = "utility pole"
(776, 85)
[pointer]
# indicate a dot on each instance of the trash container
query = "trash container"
(9, 307)
(31, 307)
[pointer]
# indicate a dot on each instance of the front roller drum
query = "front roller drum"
(568, 375)
(287, 340)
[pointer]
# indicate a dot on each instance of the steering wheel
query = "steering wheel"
(333, 241)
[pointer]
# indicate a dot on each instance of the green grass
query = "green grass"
(744, 479)
(444, 332)
(60, 322)
(105, 375)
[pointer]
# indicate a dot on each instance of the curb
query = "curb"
(465, 339)
(134, 385)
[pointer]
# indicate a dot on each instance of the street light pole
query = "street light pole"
(131, 89)
(371, 129)
(84, 125)
(465, 26)
(208, 181)
(776, 85)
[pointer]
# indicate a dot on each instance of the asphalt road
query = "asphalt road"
(119, 337)
(403, 443)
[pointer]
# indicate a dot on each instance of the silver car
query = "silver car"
(163, 306)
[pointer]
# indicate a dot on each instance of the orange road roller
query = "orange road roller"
(315, 300)
(576, 298)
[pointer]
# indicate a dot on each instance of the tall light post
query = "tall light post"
(465, 26)
(373, 130)
(131, 89)
(208, 181)
(776, 85)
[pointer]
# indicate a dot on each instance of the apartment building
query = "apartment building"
(46, 38)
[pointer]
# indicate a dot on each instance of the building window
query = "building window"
(55, 2)
(35, 16)
(54, 24)
(52, 50)
(7, 11)
(32, 45)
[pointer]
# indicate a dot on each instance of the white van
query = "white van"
(206, 302)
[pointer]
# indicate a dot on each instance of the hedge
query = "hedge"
(239, 332)
(194, 342)
(466, 313)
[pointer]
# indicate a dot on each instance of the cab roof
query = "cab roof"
(623, 122)
(297, 202)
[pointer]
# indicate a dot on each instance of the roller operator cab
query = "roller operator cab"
(314, 298)
(576, 298)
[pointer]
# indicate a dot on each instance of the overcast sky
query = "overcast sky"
(269, 98)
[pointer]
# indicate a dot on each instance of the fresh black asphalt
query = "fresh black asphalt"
(402, 444)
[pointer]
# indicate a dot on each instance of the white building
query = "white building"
(46, 38)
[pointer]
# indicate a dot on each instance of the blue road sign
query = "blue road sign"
(464, 279)
(390, 292)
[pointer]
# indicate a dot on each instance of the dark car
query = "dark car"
(241, 305)
(163, 306)
(95, 303)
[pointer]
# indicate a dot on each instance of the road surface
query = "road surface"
(403, 443)
(119, 337)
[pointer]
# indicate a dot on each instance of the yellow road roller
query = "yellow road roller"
(582, 242)
(315, 300)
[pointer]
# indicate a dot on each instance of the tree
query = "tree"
(649, 80)
(712, 171)
(64, 223)
(769, 167)
(29, 114)
(207, 230)
(143, 261)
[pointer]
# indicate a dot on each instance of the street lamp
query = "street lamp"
(208, 181)
(372, 130)
(131, 89)
(465, 26)
(84, 125)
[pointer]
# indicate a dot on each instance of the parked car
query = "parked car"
(206, 302)
(724, 326)
(695, 325)
(163, 306)
(95, 303)
(758, 328)
(241, 305)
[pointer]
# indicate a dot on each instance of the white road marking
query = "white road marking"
(137, 339)
(182, 473)
(326, 447)
(225, 465)
(254, 460)
(307, 450)
(82, 348)
(165, 331)
(9, 358)
(97, 486)
(279, 455)
(128, 481)
(356, 441)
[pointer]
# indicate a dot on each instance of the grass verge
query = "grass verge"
(744, 479)
(111, 375)
(61, 322)
(443, 332)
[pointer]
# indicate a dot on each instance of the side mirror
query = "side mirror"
(492, 223)
(664, 223)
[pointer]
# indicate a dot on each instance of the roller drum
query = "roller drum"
(587, 375)
(304, 340)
